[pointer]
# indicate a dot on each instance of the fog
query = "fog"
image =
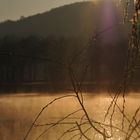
(19, 111)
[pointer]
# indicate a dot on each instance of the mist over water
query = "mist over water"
(17, 113)
(77, 47)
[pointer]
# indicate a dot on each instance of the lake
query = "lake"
(18, 111)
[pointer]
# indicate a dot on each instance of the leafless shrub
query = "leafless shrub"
(80, 127)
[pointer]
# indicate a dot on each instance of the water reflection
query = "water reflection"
(17, 113)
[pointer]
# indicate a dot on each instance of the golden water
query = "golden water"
(17, 113)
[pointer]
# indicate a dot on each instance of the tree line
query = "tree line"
(45, 60)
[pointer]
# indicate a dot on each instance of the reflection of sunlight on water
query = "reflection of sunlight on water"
(18, 112)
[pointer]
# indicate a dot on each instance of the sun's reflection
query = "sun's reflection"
(18, 113)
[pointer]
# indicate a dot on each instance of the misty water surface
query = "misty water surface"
(17, 113)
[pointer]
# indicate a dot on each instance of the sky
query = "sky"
(14, 9)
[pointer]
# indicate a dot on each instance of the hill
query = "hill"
(77, 19)
(29, 60)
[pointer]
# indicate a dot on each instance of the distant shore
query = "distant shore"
(43, 87)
